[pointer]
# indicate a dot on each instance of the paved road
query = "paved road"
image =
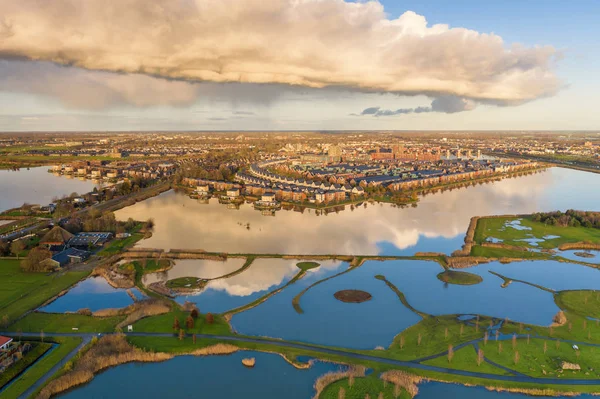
(517, 377)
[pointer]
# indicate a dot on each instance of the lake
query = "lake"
(207, 377)
(37, 186)
(438, 223)
(93, 293)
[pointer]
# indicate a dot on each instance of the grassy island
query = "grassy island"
(307, 265)
(459, 278)
(352, 296)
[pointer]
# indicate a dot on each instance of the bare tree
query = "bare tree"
(499, 347)
(514, 341)
(517, 357)
(342, 393)
(181, 334)
(485, 338)
(545, 346)
(446, 333)
(419, 339)
(557, 343)
(479, 357)
(450, 353)
(401, 342)
(176, 325)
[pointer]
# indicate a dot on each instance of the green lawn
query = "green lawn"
(487, 252)
(533, 361)
(466, 359)
(59, 323)
(21, 292)
(495, 227)
(40, 368)
(164, 324)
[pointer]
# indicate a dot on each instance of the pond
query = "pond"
(325, 320)
(93, 293)
(437, 224)
(263, 276)
(201, 268)
(592, 256)
(37, 186)
(207, 377)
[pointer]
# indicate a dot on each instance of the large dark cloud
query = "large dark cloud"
(309, 43)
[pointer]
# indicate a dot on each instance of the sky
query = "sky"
(70, 65)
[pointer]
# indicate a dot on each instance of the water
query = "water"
(570, 254)
(93, 293)
(207, 377)
(201, 268)
(438, 223)
(262, 277)
(37, 186)
(328, 321)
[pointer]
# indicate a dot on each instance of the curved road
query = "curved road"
(393, 362)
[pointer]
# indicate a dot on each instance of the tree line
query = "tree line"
(570, 218)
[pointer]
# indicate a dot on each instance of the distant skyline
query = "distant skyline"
(298, 65)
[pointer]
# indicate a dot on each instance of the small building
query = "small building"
(89, 240)
(233, 192)
(5, 342)
(203, 189)
(68, 256)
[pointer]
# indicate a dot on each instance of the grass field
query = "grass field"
(61, 323)
(21, 292)
(496, 228)
(164, 324)
(466, 359)
(41, 367)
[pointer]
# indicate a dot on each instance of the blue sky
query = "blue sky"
(570, 27)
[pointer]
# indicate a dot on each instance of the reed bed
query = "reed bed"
(333, 376)
(407, 381)
(578, 245)
(108, 351)
(216, 349)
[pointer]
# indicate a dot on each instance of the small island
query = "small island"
(459, 278)
(307, 265)
(352, 296)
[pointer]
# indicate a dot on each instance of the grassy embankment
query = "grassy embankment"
(21, 292)
(120, 245)
(36, 371)
(66, 323)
